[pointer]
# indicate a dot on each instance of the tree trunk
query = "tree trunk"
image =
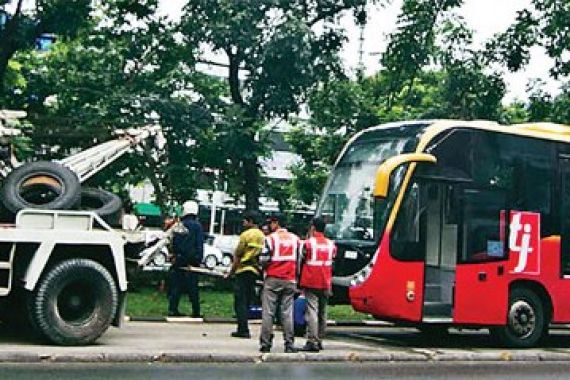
(251, 183)
(154, 175)
(3, 67)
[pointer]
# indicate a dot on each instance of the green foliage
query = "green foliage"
(545, 107)
(118, 64)
(63, 17)
(111, 77)
(546, 25)
(413, 43)
(276, 53)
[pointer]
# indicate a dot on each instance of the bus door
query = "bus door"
(481, 288)
(440, 260)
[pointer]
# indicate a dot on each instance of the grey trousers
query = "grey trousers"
(316, 314)
(276, 291)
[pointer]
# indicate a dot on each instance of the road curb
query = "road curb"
(323, 357)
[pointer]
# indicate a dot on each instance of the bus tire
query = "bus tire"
(74, 302)
(526, 321)
(41, 185)
(104, 203)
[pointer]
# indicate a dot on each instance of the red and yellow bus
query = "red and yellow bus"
(455, 223)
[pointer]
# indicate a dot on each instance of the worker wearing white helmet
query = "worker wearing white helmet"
(187, 249)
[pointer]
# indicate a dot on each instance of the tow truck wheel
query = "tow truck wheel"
(74, 302)
(526, 321)
(41, 185)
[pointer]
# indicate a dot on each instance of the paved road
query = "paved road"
(283, 371)
(208, 342)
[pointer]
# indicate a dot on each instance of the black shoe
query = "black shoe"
(176, 314)
(265, 349)
(197, 316)
(310, 347)
(320, 346)
(239, 334)
(289, 349)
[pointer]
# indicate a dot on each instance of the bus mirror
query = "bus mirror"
(385, 169)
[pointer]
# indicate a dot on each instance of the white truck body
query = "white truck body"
(46, 245)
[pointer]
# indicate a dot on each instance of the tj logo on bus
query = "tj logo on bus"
(524, 242)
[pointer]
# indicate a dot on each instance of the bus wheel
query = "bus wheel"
(526, 322)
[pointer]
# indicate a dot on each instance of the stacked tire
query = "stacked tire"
(51, 186)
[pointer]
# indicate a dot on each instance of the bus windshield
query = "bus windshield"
(347, 204)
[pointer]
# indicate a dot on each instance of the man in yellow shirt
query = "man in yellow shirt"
(245, 267)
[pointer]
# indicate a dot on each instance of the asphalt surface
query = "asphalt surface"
(283, 371)
(191, 342)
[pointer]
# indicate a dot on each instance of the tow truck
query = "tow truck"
(61, 271)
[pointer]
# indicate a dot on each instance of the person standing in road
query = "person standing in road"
(187, 249)
(246, 269)
(315, 280)
(279, 260)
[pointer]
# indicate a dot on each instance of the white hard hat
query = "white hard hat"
(190, 208)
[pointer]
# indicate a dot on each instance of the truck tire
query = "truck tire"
(74, 302)
(526, 324)
(104, 203)
(41, 185)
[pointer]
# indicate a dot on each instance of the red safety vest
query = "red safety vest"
(316, 272)
(283, 246)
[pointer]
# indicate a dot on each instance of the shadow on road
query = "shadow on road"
(455, 339)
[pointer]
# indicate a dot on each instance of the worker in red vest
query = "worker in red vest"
(279, 260)
(315, 280)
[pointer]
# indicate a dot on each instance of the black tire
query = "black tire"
(526, 320)
(74, 302)
(104, 203)
(41, 185)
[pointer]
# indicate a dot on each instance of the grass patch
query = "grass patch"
(218, 303)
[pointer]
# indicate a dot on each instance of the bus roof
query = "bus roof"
(546, 131)
(428, 129)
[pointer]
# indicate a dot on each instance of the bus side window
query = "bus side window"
(452, 205)
(483, 210)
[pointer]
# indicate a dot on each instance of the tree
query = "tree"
(545, 25)
(275, 52)
(542, 106)
(413, 43)
(114, 77)
(23, 24)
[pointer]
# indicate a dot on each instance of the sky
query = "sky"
(485, 17)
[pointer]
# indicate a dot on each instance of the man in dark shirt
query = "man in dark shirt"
(187, 249)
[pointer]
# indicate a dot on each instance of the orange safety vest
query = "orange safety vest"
(283, 246)
(316, 272)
